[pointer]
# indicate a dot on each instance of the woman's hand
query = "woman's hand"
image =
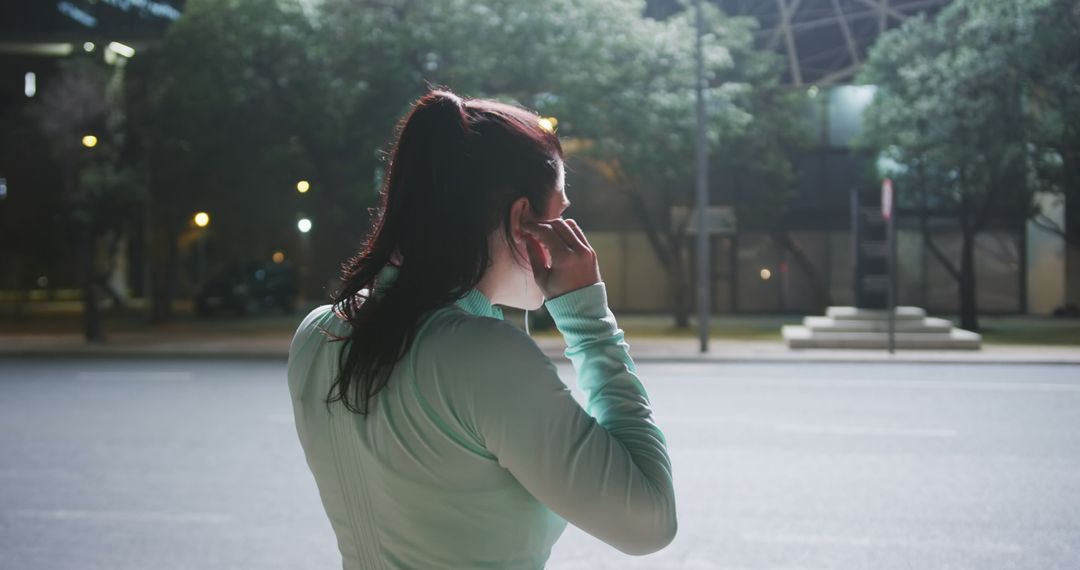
(573, 261)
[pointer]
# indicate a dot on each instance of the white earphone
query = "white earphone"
(525, 294)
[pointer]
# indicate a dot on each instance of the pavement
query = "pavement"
(176, 464)
(53, 329)
(210, 341)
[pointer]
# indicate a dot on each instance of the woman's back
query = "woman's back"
(474, 444)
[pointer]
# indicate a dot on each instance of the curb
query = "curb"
(846, 358)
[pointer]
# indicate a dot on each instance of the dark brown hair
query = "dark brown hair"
(456, 168)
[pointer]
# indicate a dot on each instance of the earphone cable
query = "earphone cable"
(526, 296)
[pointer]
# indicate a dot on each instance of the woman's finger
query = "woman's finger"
(547, 235)
(577, 230)
(537, 258)
(567, 234)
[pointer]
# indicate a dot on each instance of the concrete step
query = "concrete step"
(925, 325)
(855, 313)
(798, 336)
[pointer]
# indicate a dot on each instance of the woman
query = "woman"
(439, 435)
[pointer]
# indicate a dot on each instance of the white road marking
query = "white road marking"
(975, 385)
(134, 516)
(865, 430)
(280, 419)
(136, 375)
(20, 473)
(882, 542)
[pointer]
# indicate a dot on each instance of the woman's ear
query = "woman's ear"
(520, 212)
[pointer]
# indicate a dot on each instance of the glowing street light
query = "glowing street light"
(88, 47)
(89, 141)
(278, 257)
(121, 49)
(202, 219)
(766, 274)
(304, 225)
(303, 186)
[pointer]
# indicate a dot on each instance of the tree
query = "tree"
(240, 91)
(635, 122)
(99, 189)
(211, 132)
(1052, 73)
(952, 111)
(757, 161)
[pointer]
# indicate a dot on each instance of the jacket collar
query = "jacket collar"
(474, 302)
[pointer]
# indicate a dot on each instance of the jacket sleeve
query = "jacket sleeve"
(604, 468)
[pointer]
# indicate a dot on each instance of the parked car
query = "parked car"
(249, 289)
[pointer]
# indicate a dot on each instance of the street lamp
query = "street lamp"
(122, 49)
(89, 141)
(202, 219)
(704, 268)
(303, 186)
(304, 225)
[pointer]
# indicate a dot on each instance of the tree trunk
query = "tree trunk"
(822, 299)
(677, 278)
(92, 329)
(163, 258)
(969, 314)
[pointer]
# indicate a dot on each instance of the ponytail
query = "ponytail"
(455, 167)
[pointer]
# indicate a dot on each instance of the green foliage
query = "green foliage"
(321, 88)
(101, 190)
(971, 106)
(977, 110)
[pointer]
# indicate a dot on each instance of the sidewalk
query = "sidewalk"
(192, 342)
(652, 337)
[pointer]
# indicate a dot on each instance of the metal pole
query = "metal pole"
(891, 232)
(703, 265)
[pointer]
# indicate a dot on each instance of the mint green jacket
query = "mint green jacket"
(475, 454)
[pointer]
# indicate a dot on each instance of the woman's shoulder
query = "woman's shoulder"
(461, 327)
(315, 326)
(450, 334)
(478, 342)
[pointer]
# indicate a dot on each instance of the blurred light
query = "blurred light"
(3, 188)
(202, 219)
(304, 225)
(862, 95)
(766, 274)
(89, 141)
(549, 124)
(71, 11)
(887, 166)
(88, 47)
(303, 186)
(854, 98)
(43, 281)
(121, 49)
(812, 91)
(30, 84)
(278, 257)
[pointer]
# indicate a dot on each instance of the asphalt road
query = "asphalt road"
(194, 464)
